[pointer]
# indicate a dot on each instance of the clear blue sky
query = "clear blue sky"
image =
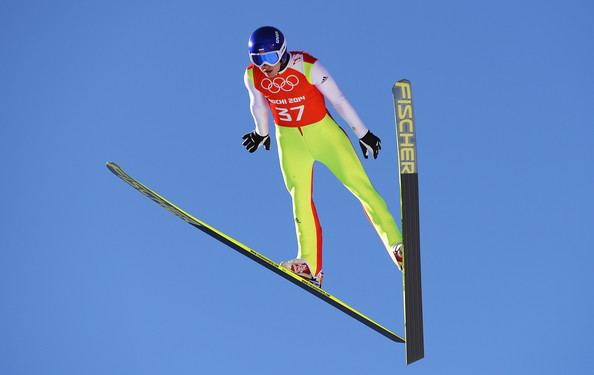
(97, 279)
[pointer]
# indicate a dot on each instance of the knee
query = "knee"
(361, 187)
(300, 192)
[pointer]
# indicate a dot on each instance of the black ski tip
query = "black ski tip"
(112, 166)
(395, 85)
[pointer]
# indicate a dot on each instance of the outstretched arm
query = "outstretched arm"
(258, 107)
(322, 79)
(370, 144)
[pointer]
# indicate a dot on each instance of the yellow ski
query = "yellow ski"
(253, 254)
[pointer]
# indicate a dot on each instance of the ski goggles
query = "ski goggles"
(268, 58)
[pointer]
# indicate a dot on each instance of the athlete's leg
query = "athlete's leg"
(334, 149)
(297, 168)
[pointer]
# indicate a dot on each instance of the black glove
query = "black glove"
(253, 140)
(370, 142)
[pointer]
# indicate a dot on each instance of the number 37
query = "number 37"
(285, 115)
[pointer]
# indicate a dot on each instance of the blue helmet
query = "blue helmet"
(267, 45)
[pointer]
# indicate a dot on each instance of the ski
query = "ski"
(409, 208)
(253, 254)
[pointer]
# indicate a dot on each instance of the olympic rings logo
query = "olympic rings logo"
(277, 84)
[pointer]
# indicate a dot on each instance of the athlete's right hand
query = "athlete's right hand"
(253, 140)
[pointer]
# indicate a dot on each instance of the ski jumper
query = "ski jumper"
(306, 133)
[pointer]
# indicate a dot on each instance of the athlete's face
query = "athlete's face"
(271, 71)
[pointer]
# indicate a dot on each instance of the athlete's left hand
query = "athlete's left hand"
(370, 143)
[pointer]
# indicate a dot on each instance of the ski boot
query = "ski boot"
(301, 268)
(397, 255)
